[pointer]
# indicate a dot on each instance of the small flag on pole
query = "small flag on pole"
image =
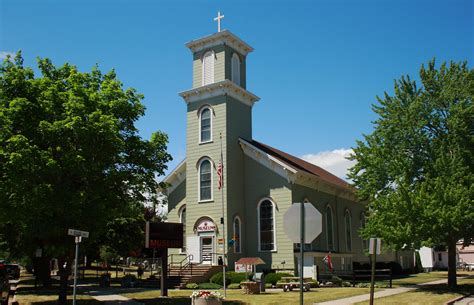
(220, 168)
(327, 260)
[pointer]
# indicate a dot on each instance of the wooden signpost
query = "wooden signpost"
(161, 236)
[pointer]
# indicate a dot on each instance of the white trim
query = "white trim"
(274, 225)
(332, 228)
(225, 87)
(240, 233)
(176, 176)
(199, 180)
(219, 38)
(212, 68)
(267, 160)
(347, 212)
(200, 121)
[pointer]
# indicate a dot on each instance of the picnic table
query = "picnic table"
(290, 282)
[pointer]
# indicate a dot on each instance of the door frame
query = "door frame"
(212, 237)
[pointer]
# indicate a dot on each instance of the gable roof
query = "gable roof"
(300, 164)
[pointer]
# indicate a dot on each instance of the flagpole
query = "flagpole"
(222, 219)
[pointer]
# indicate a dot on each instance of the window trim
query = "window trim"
(200, 124)
(235, 55)
(346, 214)
(275, 248)
(213, 56)
(332, 228)
(199, 180)
(240, 233)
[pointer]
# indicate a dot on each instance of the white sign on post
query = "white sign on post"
(375, 245)
(312, 222)
(73, 232)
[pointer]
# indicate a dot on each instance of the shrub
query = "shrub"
(268, 285)
(273, 278)
(128, 281)
(234, 286)
(192, 286)
(314, 284)
(346, 284)
(218, 278)
(231, 277)
(209, 286)
(336, 280)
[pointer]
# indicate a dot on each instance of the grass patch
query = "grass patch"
(236, 297)
(429, 294)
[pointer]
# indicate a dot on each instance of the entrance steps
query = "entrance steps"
(193, 273)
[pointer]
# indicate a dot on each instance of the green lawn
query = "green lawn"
(235, 296)
(430, 294)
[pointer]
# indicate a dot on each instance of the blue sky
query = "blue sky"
(317, 65)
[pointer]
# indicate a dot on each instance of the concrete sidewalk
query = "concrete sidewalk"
(112, 299)
(379, 294)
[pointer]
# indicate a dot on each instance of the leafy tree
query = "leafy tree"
(416, 169)
(71, 157)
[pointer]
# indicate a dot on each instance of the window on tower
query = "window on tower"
(205, 180)
(208, 68)
(205, 122)
(236, 69)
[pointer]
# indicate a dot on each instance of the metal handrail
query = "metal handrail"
(188, 263)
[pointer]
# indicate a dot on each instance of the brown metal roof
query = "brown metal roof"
(301, 164)
(250, 261)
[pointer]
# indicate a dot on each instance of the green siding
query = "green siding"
(222, 65)
(262, 182)
(176, 200)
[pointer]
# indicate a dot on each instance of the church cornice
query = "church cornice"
(175, 178)
(225, 87)
(219, 38)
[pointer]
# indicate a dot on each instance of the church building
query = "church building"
(227, 172)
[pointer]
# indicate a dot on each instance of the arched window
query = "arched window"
(208, 68)
(347, 221)
(362, 225)
(236, 69)
(205, 180)
(266, 225)
(237, 231)
(329, 228)
(182, 219)
(205, 125)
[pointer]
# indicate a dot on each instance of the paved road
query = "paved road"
(112, 299)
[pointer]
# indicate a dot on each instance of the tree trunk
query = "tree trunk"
(64, 272)
(452, 264)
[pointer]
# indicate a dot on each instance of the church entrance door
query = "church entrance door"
(207, 249)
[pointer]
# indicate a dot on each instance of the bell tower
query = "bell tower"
(219, 112)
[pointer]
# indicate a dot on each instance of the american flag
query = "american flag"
(327, 260)
(220, 168)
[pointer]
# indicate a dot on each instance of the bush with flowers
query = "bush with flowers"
(207, 294)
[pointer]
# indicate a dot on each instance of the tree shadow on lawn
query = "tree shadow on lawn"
(464, 289)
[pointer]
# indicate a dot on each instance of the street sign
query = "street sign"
(73, 232)
(312, 222)
(375, 245)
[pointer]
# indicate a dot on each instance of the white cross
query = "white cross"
(218, 19)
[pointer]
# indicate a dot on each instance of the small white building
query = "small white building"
(432, 259)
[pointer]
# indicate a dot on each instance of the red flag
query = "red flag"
(327, 260)
(220, 168)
